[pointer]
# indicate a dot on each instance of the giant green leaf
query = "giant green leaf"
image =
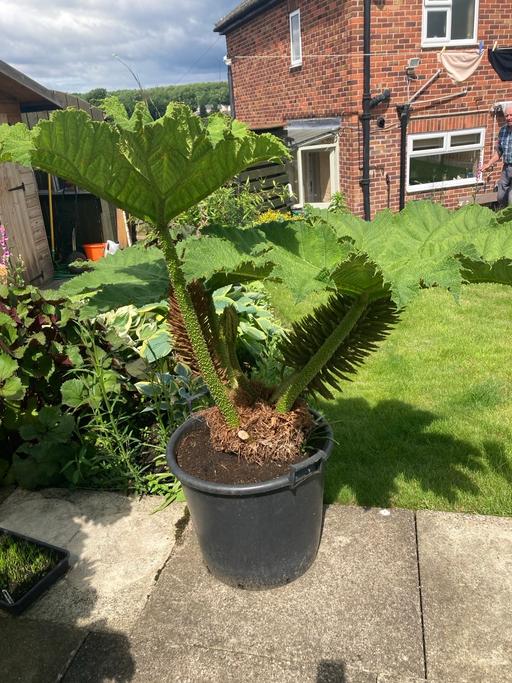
(135, 275)
(426, 245)
(225, 256)
(154, 170)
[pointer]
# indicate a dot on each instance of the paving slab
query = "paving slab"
(32, 654)
(466, 577)
(357, 608)
(5, 492)
(103, 658)
(117, 548)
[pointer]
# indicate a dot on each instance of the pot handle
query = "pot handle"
(301, 471)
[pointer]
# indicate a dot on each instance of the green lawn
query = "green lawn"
(428, 421)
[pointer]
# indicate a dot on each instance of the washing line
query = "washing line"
(285, 55)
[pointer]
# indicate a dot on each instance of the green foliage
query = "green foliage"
(141, 167)
(231, 206)
(153, 170)
(126, 410)
(194, 95)
(308, 335)
(95, 96)
(157, 170)
(257, 331)
(338, 203)
(135, 276)
(39, 344)
(48, 450)
(389, 259)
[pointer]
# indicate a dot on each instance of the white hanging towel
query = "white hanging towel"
(460, 65)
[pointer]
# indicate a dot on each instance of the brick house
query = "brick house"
(296, 69)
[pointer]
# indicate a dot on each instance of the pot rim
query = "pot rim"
(309, 466)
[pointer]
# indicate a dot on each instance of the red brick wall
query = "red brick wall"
(268, 93)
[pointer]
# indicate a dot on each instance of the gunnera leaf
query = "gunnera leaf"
(309, 334)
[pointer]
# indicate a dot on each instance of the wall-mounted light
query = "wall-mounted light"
(412, 65)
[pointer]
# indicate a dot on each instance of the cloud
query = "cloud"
(70, 44)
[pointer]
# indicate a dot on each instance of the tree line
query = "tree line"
(198, 96)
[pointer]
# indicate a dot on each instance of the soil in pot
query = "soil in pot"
(22, 565)
(196, 456)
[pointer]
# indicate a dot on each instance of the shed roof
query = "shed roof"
(242, 13)
(33, 96)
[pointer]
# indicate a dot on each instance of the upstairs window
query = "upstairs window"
(440, 160)
(452, 22)
(295, 40)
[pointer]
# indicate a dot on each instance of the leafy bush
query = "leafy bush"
(38, 345)
(232, 205)
(72, 411)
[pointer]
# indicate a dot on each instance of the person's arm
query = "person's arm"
(498, 151)
(495, 157)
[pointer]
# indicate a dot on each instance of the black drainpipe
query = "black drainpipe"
(366, 116)
(403, 112)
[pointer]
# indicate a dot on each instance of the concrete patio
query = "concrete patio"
(393, 597)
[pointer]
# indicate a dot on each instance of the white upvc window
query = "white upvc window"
(442, 160)
(295, 39)
(317, 174)
(449, 22)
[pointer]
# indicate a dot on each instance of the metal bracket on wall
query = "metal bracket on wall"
(18, 187)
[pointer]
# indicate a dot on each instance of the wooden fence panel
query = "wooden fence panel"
(264, 177)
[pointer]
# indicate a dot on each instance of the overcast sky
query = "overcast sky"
(69, 44)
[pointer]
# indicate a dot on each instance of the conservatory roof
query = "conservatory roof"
(308, 131)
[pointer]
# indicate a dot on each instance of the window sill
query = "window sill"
(295, 67)
(447, 185)
(450, 43)
(315, 205)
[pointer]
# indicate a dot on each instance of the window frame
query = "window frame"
(446, 148)
(334, 169)
(446, 6)
(291, 16)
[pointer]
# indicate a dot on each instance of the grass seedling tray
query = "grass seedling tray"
(28, 567)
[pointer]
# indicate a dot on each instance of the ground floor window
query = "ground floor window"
(440, 160)
(317, 174)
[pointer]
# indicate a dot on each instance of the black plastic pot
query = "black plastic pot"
(43, 584)
(260, 535)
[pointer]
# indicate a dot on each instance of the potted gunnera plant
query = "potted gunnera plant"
(252, 465)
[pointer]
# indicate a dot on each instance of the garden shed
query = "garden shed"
(23, 204)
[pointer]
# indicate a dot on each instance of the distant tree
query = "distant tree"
(95, 96)
(195, 95)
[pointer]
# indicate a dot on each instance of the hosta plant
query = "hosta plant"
(362, 274)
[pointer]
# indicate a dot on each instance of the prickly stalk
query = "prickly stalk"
(288, 393)
(204, 360)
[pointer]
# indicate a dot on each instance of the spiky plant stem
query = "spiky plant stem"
(193, 328)
(228, 334)
(289, 392)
